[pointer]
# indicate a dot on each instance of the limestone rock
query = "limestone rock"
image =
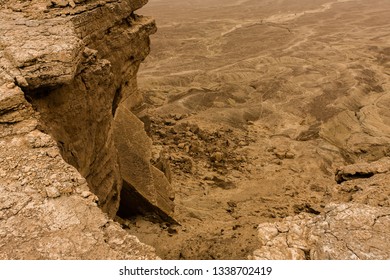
(74, 80)
(44, 212)
(65, 68)
(160, 160)
(355, 226)
(134, 151)
(365, 183)
(362, 170)
(345, 231)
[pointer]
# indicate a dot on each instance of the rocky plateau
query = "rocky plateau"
(253, 129)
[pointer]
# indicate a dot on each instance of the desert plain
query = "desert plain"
(256, 104)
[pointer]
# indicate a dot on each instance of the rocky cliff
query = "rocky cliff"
(69, 140)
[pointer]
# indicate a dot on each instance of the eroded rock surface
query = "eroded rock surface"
(47, 210)
(356, 226)
(345, 231)
(77, 65)
(140, 178)
(362, 170)
(66, 68)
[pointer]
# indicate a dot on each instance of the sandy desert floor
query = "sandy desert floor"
(256, 103)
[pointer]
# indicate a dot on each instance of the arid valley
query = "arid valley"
(257, 104)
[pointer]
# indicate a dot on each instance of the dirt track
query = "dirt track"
(256, 103)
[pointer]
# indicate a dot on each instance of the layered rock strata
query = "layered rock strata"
(47, 210)
(67, 91)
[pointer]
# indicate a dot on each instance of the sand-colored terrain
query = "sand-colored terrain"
(256, 104)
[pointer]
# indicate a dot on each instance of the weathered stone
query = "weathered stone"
(134, 151)
(33, 226)
(344, 231)
(59, 3)
(161, 162)
(363, 129)
(355, 226)
(52, 192)
(362, 170)
(365, 183)
(77, 82)
(62, 60)
(217, 156)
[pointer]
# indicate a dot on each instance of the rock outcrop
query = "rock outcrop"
(69, 141)
(362, 127)
(362, 170)
(345, 231)
(47, 210)
(356, 226)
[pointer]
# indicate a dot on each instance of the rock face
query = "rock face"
(356, 227)
(77, 66)
(143, 184)
(67, 73)
(46, 208)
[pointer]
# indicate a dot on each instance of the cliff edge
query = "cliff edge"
(72, 152)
